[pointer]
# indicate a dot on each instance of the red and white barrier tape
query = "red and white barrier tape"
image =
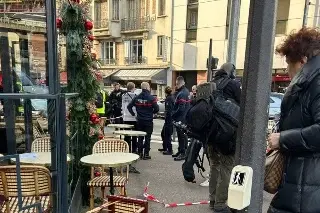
(152, 198)
(172, 205)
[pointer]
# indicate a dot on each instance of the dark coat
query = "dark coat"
(232, 89)
(169, 102)
(181, 104)
(300, 143)
(115, 98)
(146, 105)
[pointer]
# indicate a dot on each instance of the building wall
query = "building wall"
(212, 24)
(158, 26)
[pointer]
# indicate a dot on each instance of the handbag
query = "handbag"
(274, 169)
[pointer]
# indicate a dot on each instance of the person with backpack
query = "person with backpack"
(180, 108)
(221, 160)
(146, 106)
(167, 130)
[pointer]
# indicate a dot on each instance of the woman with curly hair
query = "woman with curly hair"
(299, 136)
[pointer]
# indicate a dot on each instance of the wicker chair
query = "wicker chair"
(117, 204)
(38, 134)
(41, 145)
(35, 186)
(120, 180)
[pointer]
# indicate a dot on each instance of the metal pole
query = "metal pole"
(9, 106)
(169, 73)
(251, 139)
(305, 13)
(209, 71)
(53, 82)
(233, 30)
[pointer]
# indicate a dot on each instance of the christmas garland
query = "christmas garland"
(75, 26)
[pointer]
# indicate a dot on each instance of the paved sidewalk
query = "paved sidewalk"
(167, 183)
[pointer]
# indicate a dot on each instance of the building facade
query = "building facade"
(196, 21)
(132, 41)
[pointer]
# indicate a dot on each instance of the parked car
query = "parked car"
(275, 104)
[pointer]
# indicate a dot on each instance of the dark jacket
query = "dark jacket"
(181, 104)
(146, 105)
(300, 143)
(169, 102)
(115, 98)
(232, 89)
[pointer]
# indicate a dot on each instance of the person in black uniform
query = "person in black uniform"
(167, 130)
(115, 99)
(146, 106)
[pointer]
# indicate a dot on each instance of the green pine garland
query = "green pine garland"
(81, 80)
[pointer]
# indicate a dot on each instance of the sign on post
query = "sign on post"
(239, 194)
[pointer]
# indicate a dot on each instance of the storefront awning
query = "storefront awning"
(108, 73)
(156, 76)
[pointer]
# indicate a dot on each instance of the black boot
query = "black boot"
(176, 155)
(180, 157)
(161, 150)
(146, 156)
(167, 153)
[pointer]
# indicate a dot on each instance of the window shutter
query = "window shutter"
(127, 49)
(114, 50)
(165, 48)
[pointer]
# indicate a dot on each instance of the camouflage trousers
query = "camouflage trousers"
(220, 171)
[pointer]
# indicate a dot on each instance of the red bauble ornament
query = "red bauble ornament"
(97, 174)
(91, 37)
(59, 23)
(77, 1)
(100, 137)
(88, 25)
(93, 56)
(96, 121)
(93, 117)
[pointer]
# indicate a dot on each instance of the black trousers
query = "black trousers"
(132, 141)
(145, 126)
(182, 140)
(166, 135)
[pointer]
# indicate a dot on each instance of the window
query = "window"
(282, 17)
(108, 52)
(161, 46)
(97, 12)
(192, 18)
(115, 9)
(162, 7)
(192, 22)
(134, 52)
(132, 8)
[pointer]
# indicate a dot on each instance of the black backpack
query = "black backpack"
(99, 100)
(214, 119)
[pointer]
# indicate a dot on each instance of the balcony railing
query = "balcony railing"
(135, 60)
(106, 61)
(101, 24)
(134, 24)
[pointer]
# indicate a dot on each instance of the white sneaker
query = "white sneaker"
(205, 183)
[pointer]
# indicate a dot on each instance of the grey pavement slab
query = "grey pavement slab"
(167, 183)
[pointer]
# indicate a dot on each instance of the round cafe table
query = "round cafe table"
(38, 158)
(120, 126)
(131, 133)
(110, 160)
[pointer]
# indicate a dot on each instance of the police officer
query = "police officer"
(167, 130)
(102, 110)
(180, 108)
